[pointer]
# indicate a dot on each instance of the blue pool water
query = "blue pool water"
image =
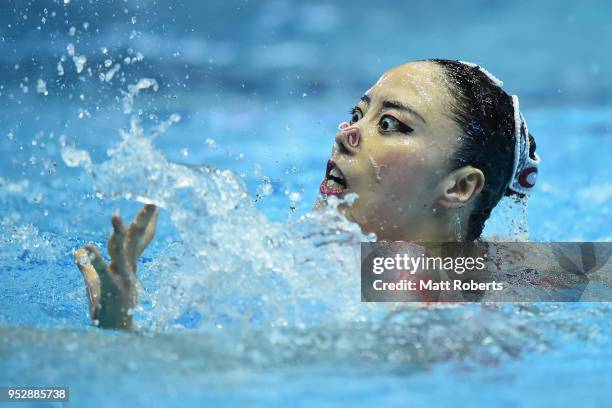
(240, 308)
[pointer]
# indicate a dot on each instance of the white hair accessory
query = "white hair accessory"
(524, 168)
(489, 75)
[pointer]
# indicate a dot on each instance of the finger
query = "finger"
(96, 260)
(150, 230)
(116, 246)
(144, 218)
(92, 280)
(141, 232)
(106, 273)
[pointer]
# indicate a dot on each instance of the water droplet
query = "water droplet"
(111, 72)
(41, 87)
(79, 63)
(211, 143)
(267, 189)
(74, 157)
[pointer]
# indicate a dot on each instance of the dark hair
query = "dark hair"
(485, 113)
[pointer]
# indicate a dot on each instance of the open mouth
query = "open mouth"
(334, 182)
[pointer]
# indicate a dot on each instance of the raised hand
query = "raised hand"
(112, 289)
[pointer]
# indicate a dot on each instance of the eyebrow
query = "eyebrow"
(400, 106)
(395, 105)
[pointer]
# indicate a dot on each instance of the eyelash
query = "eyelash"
(354, 111)
(402, 127)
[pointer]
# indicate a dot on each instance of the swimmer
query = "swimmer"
(430, 149)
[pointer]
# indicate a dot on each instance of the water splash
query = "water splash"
(508, 221)
(134, 90)
(292, 286)
(233, 264)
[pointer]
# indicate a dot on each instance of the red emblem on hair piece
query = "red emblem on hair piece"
(527, 178)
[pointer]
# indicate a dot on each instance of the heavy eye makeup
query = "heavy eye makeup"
(390, 124)
(356, 115)
(387, 123)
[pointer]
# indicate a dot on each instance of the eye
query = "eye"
(356, 115)
(390, 124)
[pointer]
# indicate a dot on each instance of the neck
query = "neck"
(448, 226)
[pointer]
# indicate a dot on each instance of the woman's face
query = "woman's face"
(395, 151)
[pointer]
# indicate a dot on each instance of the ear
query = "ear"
(460, 187)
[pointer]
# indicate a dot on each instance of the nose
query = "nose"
(348, 138)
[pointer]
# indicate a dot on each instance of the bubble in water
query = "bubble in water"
(72, 31)
(66, 1)
(60, 68)
(185, 152)
(10, 135)
(70, 49)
